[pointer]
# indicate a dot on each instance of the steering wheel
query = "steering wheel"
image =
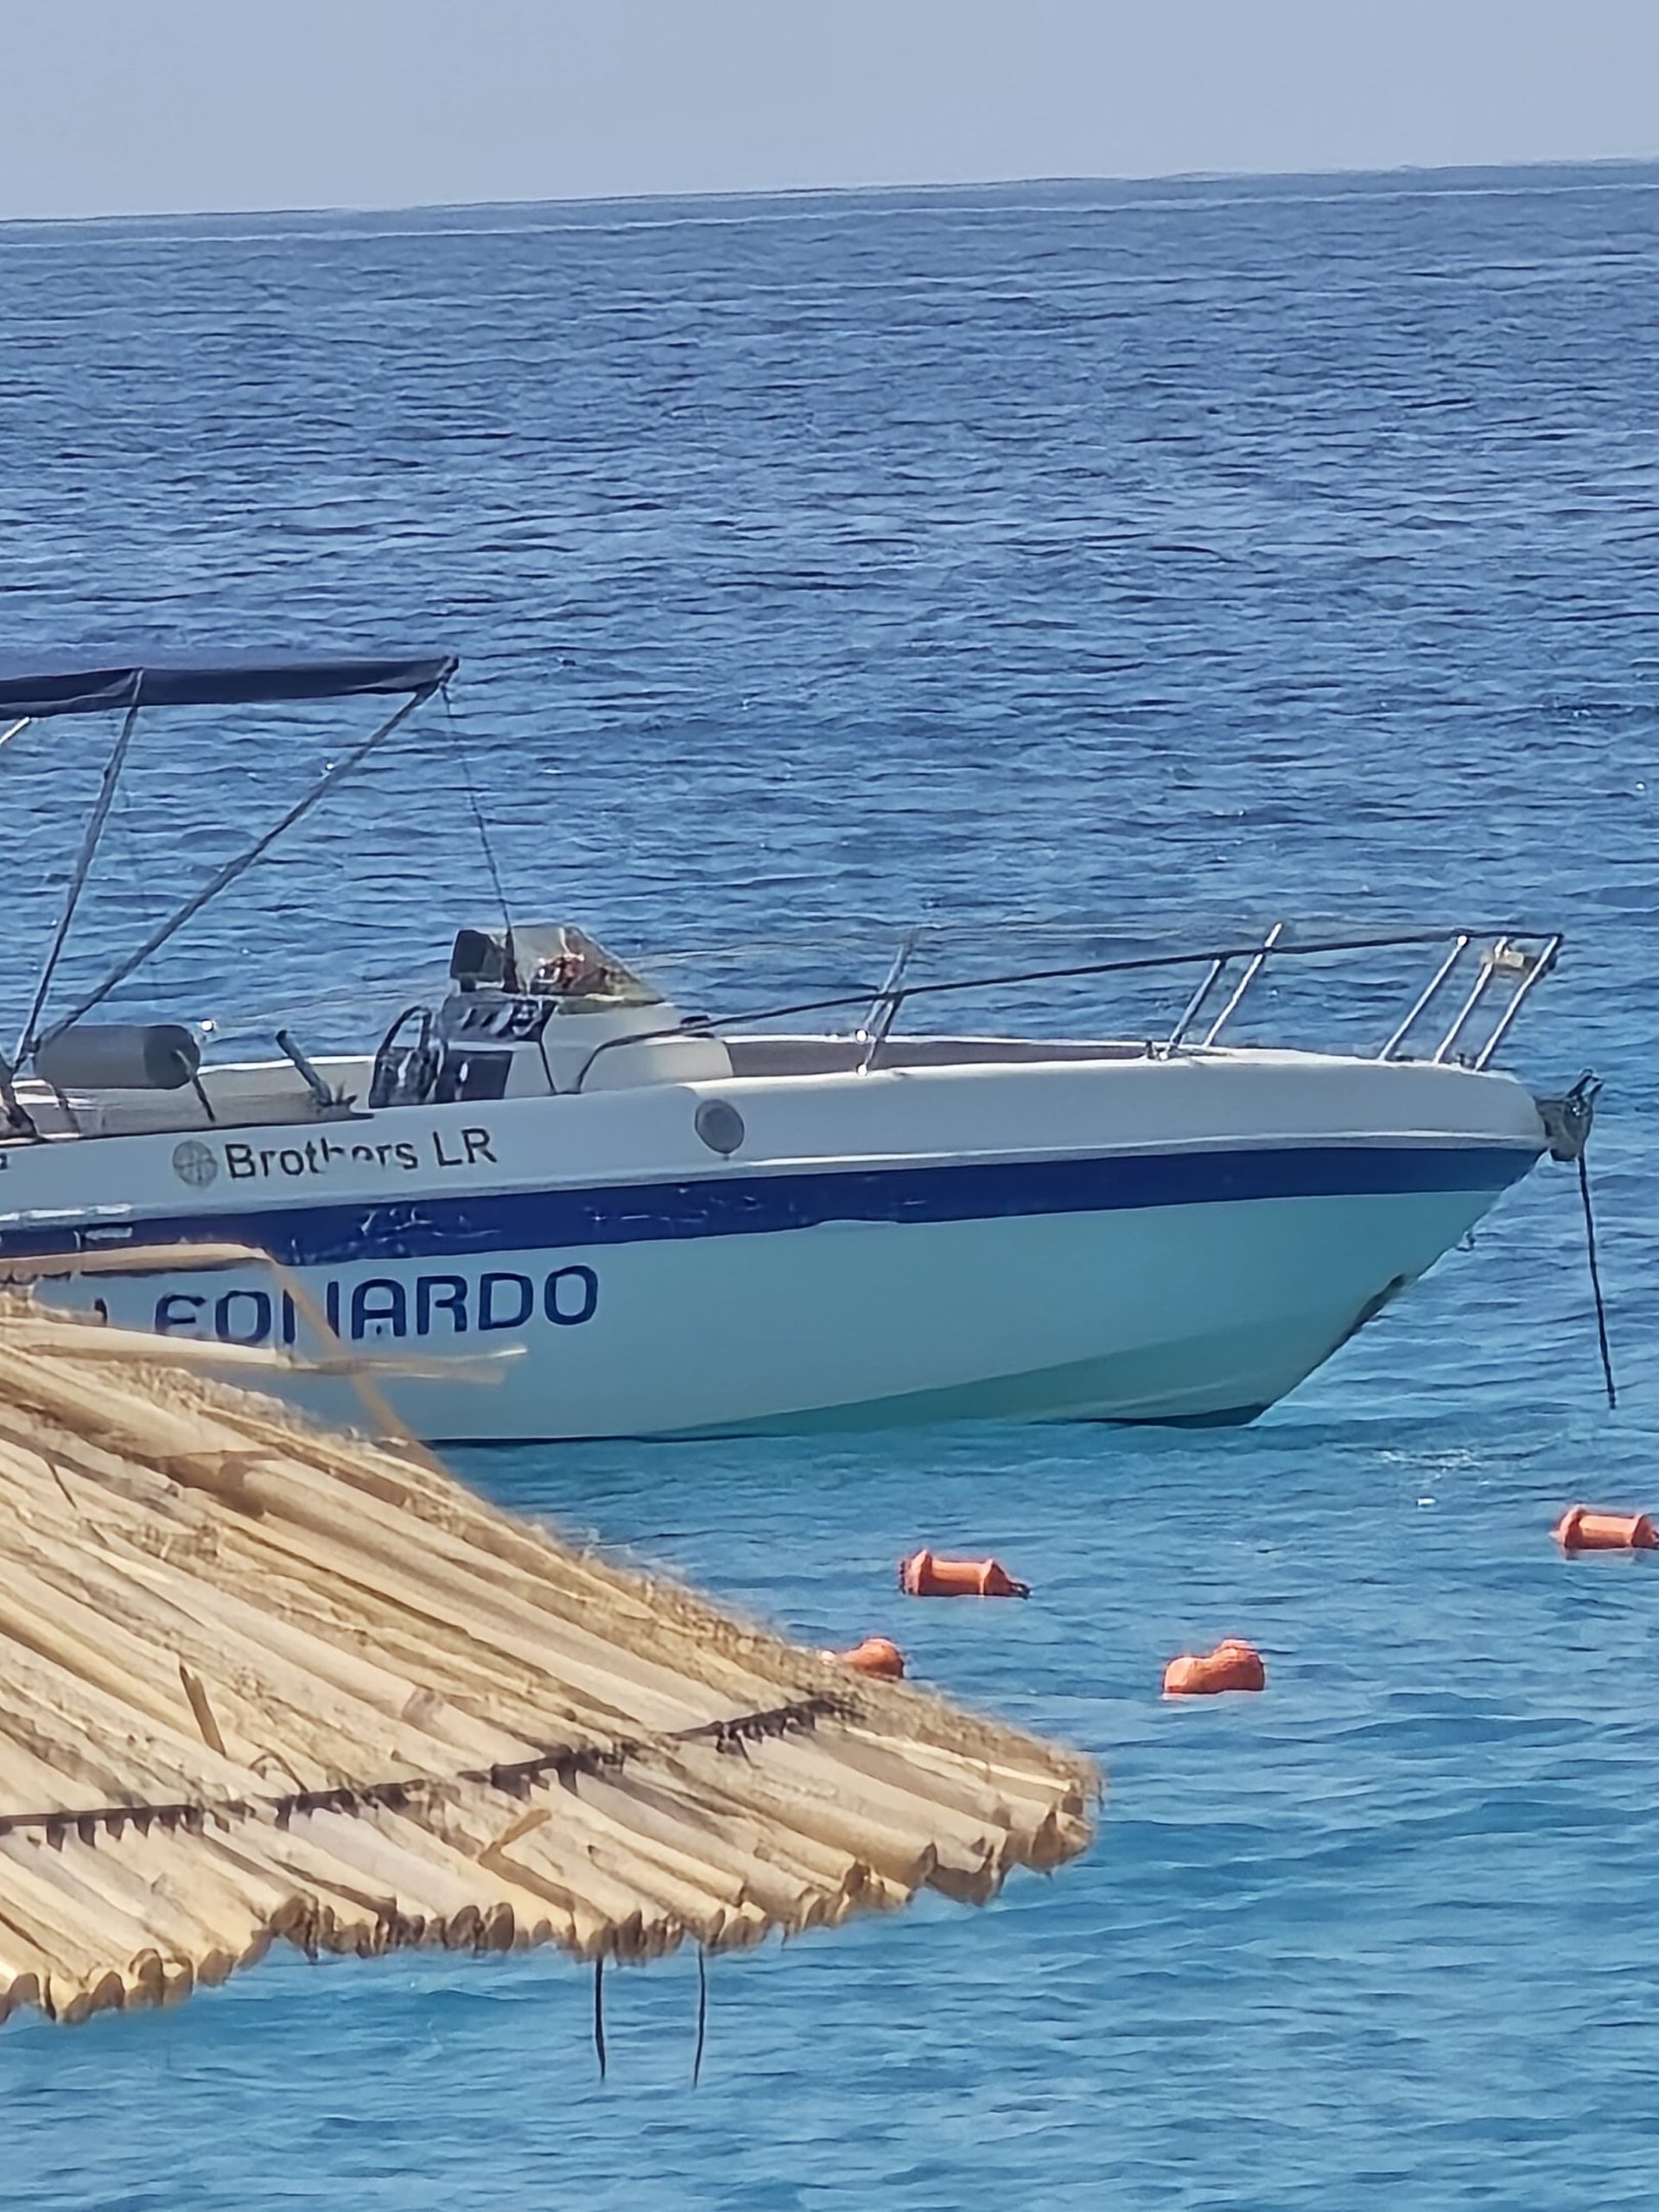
(406, 1072)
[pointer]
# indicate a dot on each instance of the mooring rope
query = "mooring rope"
(1595, 1284)
(702, 2015)
(1567, 1122)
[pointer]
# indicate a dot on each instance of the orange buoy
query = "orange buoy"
(1581, 1528)
(921, 1575)
(1231, 1666)
(875, 1655)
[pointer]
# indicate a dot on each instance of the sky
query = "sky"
(163, 106)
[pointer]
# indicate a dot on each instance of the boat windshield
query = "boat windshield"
(547, 960)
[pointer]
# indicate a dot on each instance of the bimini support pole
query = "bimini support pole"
(226, 875)
(89, 845)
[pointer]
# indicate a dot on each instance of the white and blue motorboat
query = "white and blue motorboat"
(679, 1225)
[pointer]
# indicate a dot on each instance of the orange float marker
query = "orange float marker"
(921, 1575)
(1231, 1666)
(875, 1655)
(1581, 1528)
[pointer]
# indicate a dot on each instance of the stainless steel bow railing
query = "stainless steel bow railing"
(1481, 980)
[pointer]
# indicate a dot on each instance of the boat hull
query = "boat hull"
(1148, 1256)
(1207, 1310)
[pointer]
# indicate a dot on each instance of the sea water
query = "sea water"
(821, 563)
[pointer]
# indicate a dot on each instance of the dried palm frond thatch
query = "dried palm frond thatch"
(259, 1680)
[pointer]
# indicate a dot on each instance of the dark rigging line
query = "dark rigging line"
(478, 812)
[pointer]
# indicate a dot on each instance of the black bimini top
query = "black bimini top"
(62, 684)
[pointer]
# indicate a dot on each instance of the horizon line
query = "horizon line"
(925, 187)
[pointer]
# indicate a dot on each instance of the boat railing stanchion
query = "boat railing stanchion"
(1258, 963)
(1538, 964)
(1504, 957)
(1430, 991)
(874, 1036)
(884, 1007)
(1194, 1006)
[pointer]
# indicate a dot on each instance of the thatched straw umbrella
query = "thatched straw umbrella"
(257, 1680)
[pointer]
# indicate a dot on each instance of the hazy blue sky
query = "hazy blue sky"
(121, 106)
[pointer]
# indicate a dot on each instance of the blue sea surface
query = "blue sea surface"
(1115, 555)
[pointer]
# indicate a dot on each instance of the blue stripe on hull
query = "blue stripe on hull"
(749, 1205)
